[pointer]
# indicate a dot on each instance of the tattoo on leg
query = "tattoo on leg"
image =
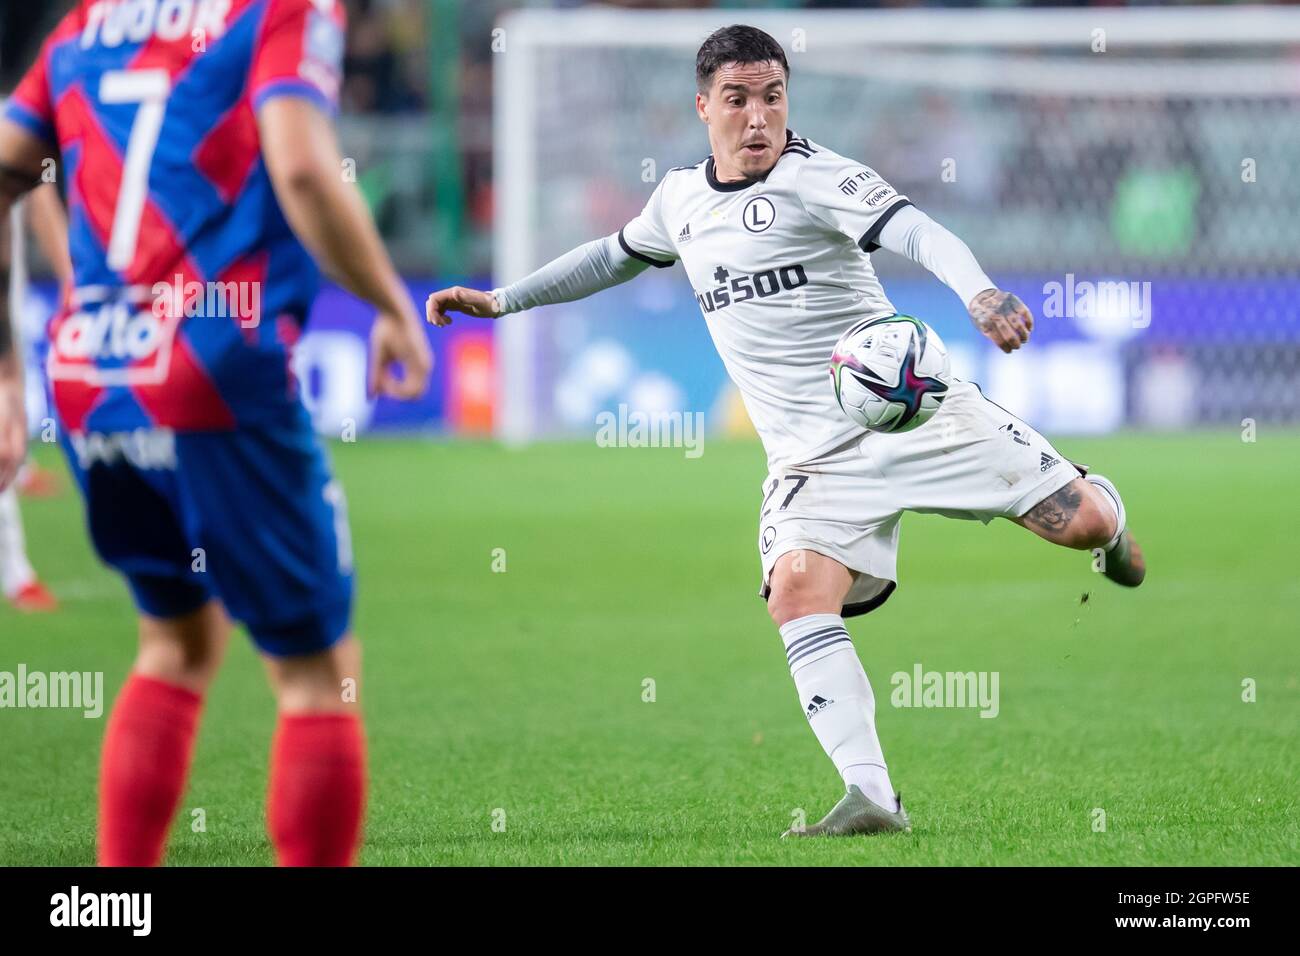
(1053, 514)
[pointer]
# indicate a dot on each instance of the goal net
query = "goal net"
(1130, 173)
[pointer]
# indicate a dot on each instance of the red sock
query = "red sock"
(318, 789)
(147, 750)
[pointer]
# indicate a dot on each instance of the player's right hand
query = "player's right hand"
(1002, 318)
(399, 340)
(458, 298)
(13, 427)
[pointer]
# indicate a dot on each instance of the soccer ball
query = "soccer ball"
(891, 374)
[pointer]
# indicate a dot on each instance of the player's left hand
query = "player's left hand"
(13, 426)
(399, 340)
(1002, 318)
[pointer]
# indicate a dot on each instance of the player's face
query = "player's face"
(745, 109)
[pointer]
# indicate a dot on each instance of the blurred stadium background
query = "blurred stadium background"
(1148, 150)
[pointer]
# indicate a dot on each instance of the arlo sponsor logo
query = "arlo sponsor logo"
(110, 23)
(638, 429)
(66, 690)
(114, 326)
(1100, 303)
(922, 688)
(74, 908)
(147, 449)
(115, 331)
(212, 300)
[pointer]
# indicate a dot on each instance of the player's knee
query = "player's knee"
(793, 597)
(1093, 527)
(187, 650)
(791, 607)
(326, 681)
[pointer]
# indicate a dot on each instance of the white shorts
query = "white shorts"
(973, 460)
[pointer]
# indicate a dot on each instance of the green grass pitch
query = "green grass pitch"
(516, 698)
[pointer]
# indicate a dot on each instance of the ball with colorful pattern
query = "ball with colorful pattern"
(891, 374)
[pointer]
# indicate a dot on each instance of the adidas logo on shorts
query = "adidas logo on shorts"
(1047, 461)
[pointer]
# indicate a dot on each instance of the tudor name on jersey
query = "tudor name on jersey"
(111, 23)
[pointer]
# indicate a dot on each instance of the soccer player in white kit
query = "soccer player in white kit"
(775, 233)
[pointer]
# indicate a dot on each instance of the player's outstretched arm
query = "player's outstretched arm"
(1000, 316)
(330, 217)
(577, 274)
(21, 156)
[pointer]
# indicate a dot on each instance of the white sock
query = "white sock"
(838, 702)
(1110, 494)
(15, 570)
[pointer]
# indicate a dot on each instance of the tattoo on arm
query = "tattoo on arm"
(1053, 514)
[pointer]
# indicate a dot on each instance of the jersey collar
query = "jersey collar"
(711, 175)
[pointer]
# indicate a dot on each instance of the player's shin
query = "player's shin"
(1110, 495)
(1124, 563)
(148, 745)
(317, 792)
(838, 702)
(317, 788)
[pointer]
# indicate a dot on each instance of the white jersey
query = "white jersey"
(780, 268)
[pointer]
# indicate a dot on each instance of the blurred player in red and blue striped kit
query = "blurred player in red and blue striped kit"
(204, 182)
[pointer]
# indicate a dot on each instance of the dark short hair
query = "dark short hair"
(735, 44)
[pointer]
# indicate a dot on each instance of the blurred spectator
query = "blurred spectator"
(386, 63)
(22, 28)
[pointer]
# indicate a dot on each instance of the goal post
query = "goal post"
(1128, 171)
